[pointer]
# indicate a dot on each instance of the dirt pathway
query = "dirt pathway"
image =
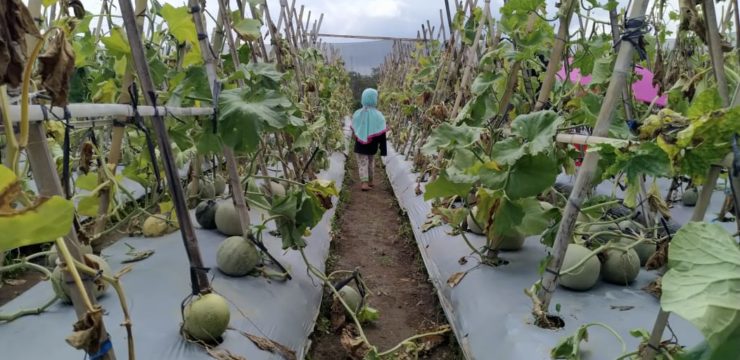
(371, 233)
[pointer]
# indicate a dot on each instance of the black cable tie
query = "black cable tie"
(202, 36)
(66, 148)
(44, 112)
(216, 96)
(736, 156)
(634, 30)
(656, 348)
(194, 9)
(556, 273)
(578, 207)
(194, 282)
(118, 123)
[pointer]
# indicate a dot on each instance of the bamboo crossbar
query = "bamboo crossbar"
(35, 113)
(578, 139)
(368, 37)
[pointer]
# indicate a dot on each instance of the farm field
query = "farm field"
(517, 180)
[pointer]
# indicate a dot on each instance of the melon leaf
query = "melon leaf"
(701, 284)
(43, 221)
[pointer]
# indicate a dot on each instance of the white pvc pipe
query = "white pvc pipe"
(102, 110)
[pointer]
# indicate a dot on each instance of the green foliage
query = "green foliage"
(701, 284)
(43, 220)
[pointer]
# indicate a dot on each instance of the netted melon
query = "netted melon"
(620, 267)
(205, 214)
(52, 257)
(645, 250)
(586, 275)
(351, 296)
(690, 197)
(275, 188)
(630, 227)
(99, 286)
(603, 233)
(219, 185)
(472, 225)
(205, 190)
(512, 242)
(206, 317)
(237, 257)
(227, 219)
(158, 225)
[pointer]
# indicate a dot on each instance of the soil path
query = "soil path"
(371, 233)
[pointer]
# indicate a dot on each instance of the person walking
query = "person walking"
(369, 129)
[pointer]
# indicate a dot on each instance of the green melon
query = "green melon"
(585, 276)
(51, 258)
(205, 214)
(630, 227)
(645, 250)
(512, 242)
(219, 185)
(620, 267)
(206, 317)
(227, 219)
(237, 257)
(99, 286)
(592, 229)
(206, 190)
(351, 297)
(690, 197)
(472, 226)
(275, 188)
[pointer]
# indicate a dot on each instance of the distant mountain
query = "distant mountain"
(363, 56)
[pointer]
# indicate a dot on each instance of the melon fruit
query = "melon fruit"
(585, 276)
(206, 190)
(227, 219)
(275, 188)
(351, 297)
(219, 185)
(472, 226)
(620, 267)
(206, 317)
(51, 258)
(645, 249)
(99, 286)
(612, 234)
(237, 257)
(157, 225)
(205, 214)
(512, 242)
(690, 197)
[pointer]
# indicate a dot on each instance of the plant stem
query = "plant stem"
(65, 254)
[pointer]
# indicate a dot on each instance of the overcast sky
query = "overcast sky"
(379, 17)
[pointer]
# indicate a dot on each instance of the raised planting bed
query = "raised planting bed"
(488, 309)
(282, 311)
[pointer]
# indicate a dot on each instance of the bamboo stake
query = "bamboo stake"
(114, 153)
(585, 175)
(176, 192)
(715, 48)
(556, 56)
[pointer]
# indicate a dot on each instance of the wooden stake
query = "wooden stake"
(586, 173)
(173, 181)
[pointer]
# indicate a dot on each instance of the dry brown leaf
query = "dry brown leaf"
(56, 68)
(15, 23)
(271, 346)
(355, 347)
(88, 332)
(456, 278)
(337, 314)
(223, 354)
(14, 282)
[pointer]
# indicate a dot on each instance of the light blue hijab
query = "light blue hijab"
(368, 122)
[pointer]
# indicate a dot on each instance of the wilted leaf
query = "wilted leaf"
(43, 221)
(15, 23)
(701, 284)
(57, 65)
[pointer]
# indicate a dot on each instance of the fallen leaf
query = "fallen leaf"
(456, 278)
(14, 282)
(271, 346)
(355, 347)
(622, 307)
